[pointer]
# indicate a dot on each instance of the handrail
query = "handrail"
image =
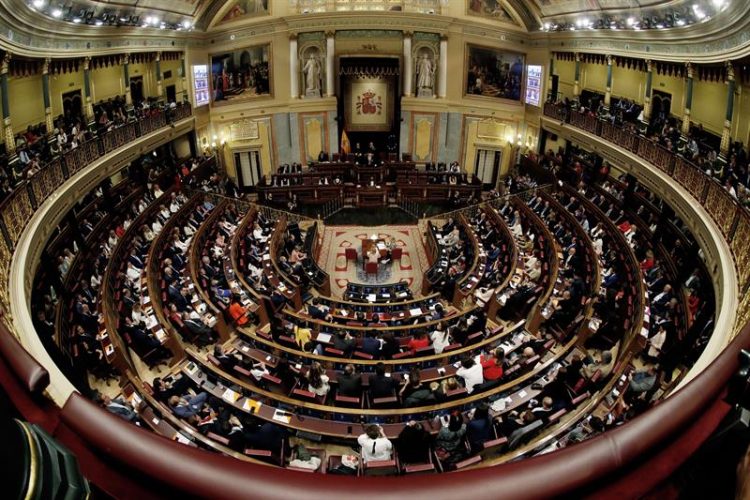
(392, 411)
(33, 375)
(195, 251)
(565, 471)
(372, 362)
(16, 209)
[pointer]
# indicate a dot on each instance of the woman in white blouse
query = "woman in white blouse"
(440, 338)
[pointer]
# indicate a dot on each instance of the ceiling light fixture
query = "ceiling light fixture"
(38, 4)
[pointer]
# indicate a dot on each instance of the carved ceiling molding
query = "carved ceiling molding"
(26, 34)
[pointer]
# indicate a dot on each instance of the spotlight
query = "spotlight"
(98, 22)
(630, 22)
(76, 20)
(38, 4)
(57, 13)
(186, 24)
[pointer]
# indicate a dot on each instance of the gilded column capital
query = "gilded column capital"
(86, 63)
(158, 56)
(730, 71)
(690, 70)
(578, 57)
(293, 36)
(45, 66)
(610, 59)
(330, 33)
(649, 66)
(5, 66)
(125, 60)
(408, 34)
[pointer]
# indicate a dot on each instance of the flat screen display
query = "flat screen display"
(533, 84)
(200, 85)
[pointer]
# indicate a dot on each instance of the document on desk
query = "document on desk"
(324, 337)
(282, 416)
(252, 405)
(372, 297)
(180, 438)
(415, 312)
(230, 396)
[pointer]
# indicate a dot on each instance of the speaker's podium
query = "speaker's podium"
(372, 196)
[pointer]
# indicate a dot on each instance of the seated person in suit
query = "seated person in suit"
(318, 310)
(203, 334)
(344, 342)
(117, 407)
(187, 406)
(413, 444)
(381, 384)
(350, 382)
(165, 388)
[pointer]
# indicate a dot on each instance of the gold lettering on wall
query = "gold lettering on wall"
(243, 130)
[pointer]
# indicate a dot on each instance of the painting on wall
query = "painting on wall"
(241, 73)
(488, 8)
(493, 73)
(242, 8)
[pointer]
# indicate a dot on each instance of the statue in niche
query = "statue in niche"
(311, 71)
(425, 76)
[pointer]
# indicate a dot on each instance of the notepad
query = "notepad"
(181, 439)
(522, 394)
(230, 396)
(281, 416)
(324, 337)
(252, 405)
(415, 312)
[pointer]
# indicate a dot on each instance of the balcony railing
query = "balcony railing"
(16, 210)
(729, 215)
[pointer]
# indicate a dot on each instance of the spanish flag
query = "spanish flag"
(346, 146)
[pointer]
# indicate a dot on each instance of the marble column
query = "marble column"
(10, 141)
(553, 98)
(126, 78)
(688, 99)
(183, 69)
(647, 96)
(46, 96)
(442, 90)
(89, 110)
(408, 65)
(158, 75)
(608, 92)
(726, 133)
(293, 67)
(577, 82)
(330, 55)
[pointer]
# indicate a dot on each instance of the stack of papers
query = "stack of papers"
(281, 416)
(230, 396)
(252, 405)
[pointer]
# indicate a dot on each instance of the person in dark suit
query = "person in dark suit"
(381, 385)
(117, 407)
(350, 382)
(202, 333)
(344, 342)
